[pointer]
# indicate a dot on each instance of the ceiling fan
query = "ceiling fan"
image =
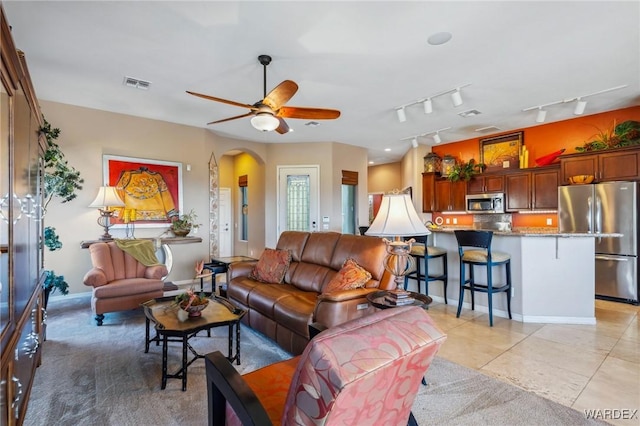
(270, 112)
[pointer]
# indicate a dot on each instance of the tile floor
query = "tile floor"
(587, 367)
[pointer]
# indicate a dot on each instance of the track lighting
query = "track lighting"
(581, 104)
(456, 98)
(427, 102)
(435, 134)
(428, 106)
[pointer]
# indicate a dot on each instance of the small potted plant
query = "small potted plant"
(183, 224)
(465, 171)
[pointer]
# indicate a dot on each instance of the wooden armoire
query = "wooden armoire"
(21, 263)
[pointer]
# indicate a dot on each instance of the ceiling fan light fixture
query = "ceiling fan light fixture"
(265, 122)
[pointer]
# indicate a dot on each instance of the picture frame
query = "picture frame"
(151, 190)
(501, 152)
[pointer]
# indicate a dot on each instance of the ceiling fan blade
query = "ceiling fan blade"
(305, 112)
(281, 94)
(283, 127)
(224, 101)
(231, 118)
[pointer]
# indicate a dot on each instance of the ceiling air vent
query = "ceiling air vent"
(469, 113)
(137, 83)
(312, 124)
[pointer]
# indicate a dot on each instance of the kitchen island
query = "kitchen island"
(553, 275)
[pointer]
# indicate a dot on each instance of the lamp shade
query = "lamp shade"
(397, 218)
(107, 197)
(265, 122)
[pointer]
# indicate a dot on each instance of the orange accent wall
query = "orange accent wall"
(540, 140)
(546, 138)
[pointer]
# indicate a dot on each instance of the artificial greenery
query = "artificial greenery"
(185, 222)
(60, 179)
(465, 171)
(624, 134)
(53, 282)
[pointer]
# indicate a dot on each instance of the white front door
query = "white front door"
(298, 198)
(224, 223)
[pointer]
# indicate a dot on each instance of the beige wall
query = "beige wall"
(88, 134)
(385, 177)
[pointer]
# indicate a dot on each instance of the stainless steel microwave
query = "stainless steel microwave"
(485, 203)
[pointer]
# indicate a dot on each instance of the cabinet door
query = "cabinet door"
(544, 189)
(494, 183)
(428, 192)
(458, 195)
(582, 165)
(619, 166)
(475, 185)
(518, 192)
(442, 196)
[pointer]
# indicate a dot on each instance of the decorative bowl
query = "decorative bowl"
(581, 179)
(194, 310)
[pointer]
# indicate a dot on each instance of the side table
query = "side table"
(377, 299)
(220, 265)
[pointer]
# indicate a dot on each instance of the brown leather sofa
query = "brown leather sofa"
(284, 311)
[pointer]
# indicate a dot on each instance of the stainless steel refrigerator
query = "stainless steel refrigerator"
(608, 207)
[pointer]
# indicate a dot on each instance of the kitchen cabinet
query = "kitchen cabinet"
(609, 165)
(535, 189)
(485, 183)
(450, 196)
(428, 192)
(21, 152)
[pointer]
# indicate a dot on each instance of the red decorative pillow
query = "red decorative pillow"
(349, 277)
(271, 266)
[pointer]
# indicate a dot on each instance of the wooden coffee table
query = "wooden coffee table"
(162, 312)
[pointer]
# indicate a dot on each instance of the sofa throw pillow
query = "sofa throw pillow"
(271, 266)
(351, 276)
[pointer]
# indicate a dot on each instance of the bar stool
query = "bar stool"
(483, 257)
(423, 251)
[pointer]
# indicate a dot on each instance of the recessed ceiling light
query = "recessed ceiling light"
(439, 38)
(372, 162)
(469, 113)
(387, 149)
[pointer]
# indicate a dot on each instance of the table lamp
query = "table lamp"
(106, 199)
(398, 218)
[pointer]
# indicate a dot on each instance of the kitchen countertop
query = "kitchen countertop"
(527, 232)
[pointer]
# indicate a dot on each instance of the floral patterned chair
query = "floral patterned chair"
(365, 371)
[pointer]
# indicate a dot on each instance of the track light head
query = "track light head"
(580, 106)
(414, 142)
(436, 138)
(456, 98)
(542, 115)
(402, 117)
(428, 106)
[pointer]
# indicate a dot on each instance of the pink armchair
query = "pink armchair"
(365, 371)
(119, 281)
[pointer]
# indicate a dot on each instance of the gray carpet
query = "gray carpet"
(101, 376)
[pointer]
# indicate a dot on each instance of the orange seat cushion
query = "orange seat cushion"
(271, 386)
